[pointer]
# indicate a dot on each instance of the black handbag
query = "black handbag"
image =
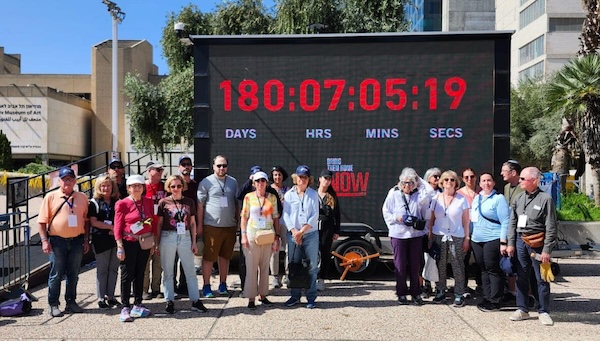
(298, 275)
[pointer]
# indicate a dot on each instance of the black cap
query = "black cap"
(326, 173)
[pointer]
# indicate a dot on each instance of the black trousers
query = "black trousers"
(487, 256)
(132, 271)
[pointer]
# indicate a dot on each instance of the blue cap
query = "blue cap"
(506, 264)
(115, 160)
(184, 157)
(254, 170)
(66, 171)
(303, 170)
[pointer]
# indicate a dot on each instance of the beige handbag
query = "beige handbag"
(146, 241)
(263, 237)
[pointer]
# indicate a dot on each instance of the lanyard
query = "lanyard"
(224, 184)
(527, 203)
(71, 203)
(302, 200)
(179, 211)
(141, 212)
(406, 204)
(261, 203)
(444, 204)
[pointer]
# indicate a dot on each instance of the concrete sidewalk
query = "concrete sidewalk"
(349, 310)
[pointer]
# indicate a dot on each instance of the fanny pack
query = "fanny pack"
(534, 240)
(146, 240)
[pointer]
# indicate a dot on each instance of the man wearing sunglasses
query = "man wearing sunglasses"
(117, 172)
(218, 218)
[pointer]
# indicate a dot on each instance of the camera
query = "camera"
(179, 29)
(409, 220)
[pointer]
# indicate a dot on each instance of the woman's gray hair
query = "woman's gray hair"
(409, 174)
(430, 172)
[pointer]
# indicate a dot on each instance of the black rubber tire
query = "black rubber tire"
(361, 247)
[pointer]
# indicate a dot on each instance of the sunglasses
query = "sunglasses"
(176, 186)
(407, 183)
(449, 179)
(185, 164)
(436, 176)
(469, 177)
(221, 166)
(159, 169)
(523, 179)
(116, 167)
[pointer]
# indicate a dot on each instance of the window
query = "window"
(523, 2)
(535, 71)
(565, 24)
(532, 50)
(532, 12)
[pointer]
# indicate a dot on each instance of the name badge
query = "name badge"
(155, 209)
(302, 219)
(261, 223)
(72, 220)
(137, 227)
(536, 207)
(475, 217)
(108, 222)
(522, 222)
(223, 202)
(180, 227)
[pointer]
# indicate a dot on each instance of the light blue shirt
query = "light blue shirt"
(494, 207)
(299, 211)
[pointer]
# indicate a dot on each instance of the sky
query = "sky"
(56, 37)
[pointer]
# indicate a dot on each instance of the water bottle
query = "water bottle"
(536, 256)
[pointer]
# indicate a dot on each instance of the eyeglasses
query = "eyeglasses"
(469, 177)
(116, 167)
(185, 164)
(176, 186)
(221, 166)
(523, 179)
(407, 183)
(449, 179)
(159, 169)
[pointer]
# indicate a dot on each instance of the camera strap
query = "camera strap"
(406, 204)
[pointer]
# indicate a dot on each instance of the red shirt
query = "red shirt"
(128, 213)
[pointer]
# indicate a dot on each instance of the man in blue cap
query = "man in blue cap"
(64, 232)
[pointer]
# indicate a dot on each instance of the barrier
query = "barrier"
(14, 253)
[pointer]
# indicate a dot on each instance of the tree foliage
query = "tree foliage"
(177, 92)
(374, 16)
(241, 17)
(589, 40)
(297, 16)
(6, 161)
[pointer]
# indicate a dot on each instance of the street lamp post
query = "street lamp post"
(117, 17)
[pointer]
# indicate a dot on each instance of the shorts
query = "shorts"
(218, 242)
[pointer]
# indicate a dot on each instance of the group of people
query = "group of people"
(435, 215)
(143, 227)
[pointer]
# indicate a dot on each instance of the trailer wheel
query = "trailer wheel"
(356, 248)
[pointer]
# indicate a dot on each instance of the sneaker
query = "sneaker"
(125, 315)
(265, 301)
(103, 305)
(402, 300)
(207, 291)
(292, 302)
(417, 300)
(487, 306)
(113, 303)
(147, 296)
(158, 295)
(440, 297)
(519, 315)
(320, 284)
(459, 301)
(545, 319)
(73, 308)
(311, 304)
(140, 311)
(170, 309)
(54, 311)
(276, 282)
(198, 306)
(251, 305)
(285, 280)
(223, 289)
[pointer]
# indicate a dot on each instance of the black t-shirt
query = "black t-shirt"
(102, 239)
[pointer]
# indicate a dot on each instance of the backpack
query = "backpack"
(16, 306)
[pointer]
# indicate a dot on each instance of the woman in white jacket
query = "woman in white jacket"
(404, 212)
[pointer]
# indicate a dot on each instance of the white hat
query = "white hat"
(135, 179)
(260, 175)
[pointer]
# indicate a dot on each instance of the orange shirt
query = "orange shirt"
(76, 205)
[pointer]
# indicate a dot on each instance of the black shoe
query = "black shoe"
(251, 305)
(440, 297)
(103, 305)
(488, 306)
(147, 296)
(158, 295)
(417, 300)
(113, 303)
(198, 306)
(170, 307)
(402, 300)
(265, 301)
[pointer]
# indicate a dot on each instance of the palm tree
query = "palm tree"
(589, 40)
(575, 91)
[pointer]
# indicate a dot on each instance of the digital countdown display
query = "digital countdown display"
(362, 106)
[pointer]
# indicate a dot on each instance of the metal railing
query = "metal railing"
(15, 254)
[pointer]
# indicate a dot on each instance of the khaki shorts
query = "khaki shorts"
(218, 242)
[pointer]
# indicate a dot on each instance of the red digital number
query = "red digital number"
(248, 101)
(431, 83)
(456, 94)
(337, 93)
(268, 88)
(226, 86)
(375, 90)
(392, 89)
(315, 94)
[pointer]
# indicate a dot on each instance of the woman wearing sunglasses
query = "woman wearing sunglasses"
(449, 228)
(176, 231)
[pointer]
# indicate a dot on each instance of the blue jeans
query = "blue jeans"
(524, 266)
(171, 244)
(310, 250)
(65, 259)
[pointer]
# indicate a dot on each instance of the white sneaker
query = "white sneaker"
(545, 319)
(520, 315)
(320, 285)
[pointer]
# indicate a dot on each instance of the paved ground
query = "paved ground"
(349, 310)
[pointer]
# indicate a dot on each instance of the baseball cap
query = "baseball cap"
(506, 264)
(303, 170)
(184, 157)
(326, 173)
(66, 171)
(135, 179)
(255, 169)
(115, 161)
(260, 175)
(153, 164)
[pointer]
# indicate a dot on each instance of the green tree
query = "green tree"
(590, 32)
(297, 16)
(575, 91)
(241, 17)
(6, 161)
(374, 16)
(177, 94)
